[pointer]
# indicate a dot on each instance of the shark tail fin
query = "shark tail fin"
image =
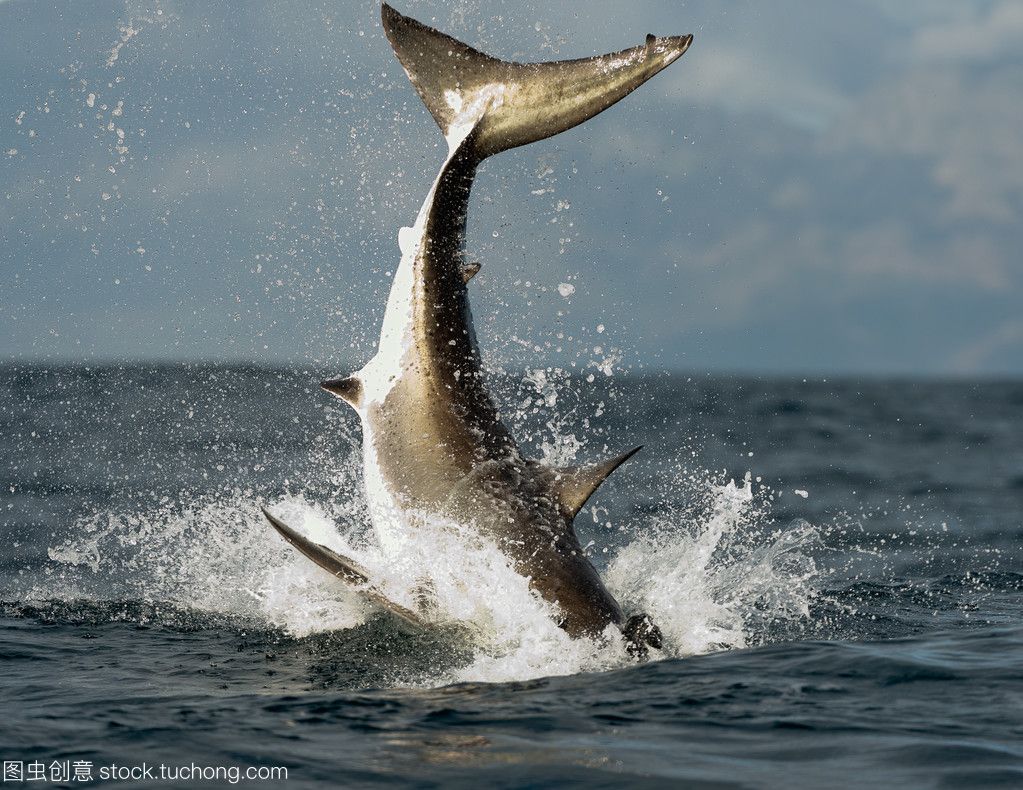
(575, 485)
(517, 103)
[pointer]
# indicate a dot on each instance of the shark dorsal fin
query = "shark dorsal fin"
(575, 485)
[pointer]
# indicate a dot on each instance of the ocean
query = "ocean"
(836, 566)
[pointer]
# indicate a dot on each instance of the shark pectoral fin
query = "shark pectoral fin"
(347, 389)
(345, 569)
(520, 102)
(470, 270)
(575, 485)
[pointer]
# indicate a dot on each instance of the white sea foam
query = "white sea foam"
(701, 581)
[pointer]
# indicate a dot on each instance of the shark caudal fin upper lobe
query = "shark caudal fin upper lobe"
(517, 103)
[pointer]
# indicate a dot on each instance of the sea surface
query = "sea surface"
(836, 565)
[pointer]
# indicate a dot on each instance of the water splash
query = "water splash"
(710, 584)
(212, 555)
(706, 582)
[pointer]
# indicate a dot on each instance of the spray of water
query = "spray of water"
(706, 579)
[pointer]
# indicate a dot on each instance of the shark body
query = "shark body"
(434, 446)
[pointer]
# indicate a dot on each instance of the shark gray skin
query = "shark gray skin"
(434, 446)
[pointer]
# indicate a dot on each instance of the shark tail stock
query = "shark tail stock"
(517, 103)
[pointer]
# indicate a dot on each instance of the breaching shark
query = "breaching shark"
(434, 446)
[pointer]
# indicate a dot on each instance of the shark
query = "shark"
(434, 444)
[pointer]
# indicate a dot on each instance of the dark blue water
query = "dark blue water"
(850, 616)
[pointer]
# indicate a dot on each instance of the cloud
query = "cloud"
(1000, 350)
(739, 81)
(887, 251)
(980, 36)
(765, 263)
(965, 125)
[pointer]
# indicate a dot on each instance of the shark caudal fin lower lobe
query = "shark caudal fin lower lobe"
(517, 103)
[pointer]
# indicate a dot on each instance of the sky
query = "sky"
(818, 188)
